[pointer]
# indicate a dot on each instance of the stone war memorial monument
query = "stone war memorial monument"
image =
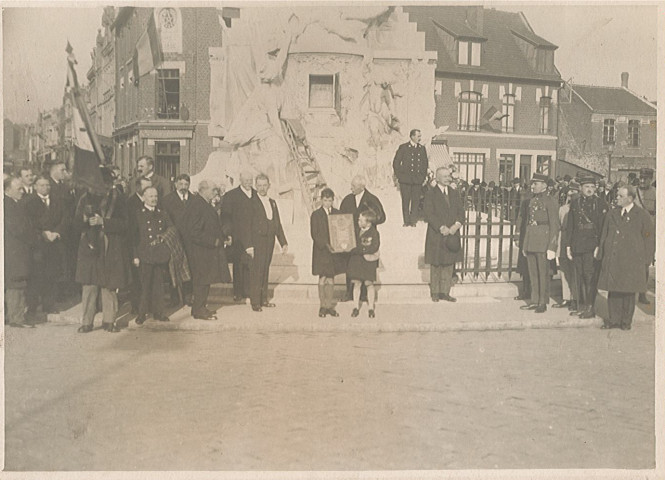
(313, 97)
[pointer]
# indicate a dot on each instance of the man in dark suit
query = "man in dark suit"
(146, 168)
(627, 243)
(444, 214)
(236, 210)
(178, 204)
(27, 179)
(354, 203)
(410, 167)
(540, 241)
(48, 220)
(265, 227)
(205, 250)
(151, 255)
(134, 205)
(515, 196)
(585, 223)
(18, 241)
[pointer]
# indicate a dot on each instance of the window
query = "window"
(468, 111)
(508, 114)
(506, 169)
(469, 165)
(609, 132)
(167, 159)
(525, 167)
(322, 91)
(543, 163)
(545, 103)
(633, 133)
(469, 53)
(168, 93)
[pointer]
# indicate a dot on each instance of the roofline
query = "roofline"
(456, 35)
(640, 98)
(490, 77)
(572, 89)
(646, 102)
(551, 46)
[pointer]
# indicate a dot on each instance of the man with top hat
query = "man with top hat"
(410, 167)
(540, 241)
(646, 198)
(585, 223)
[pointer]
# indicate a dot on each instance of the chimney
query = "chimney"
(624, 79)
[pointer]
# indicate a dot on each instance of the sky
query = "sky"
(596, 43)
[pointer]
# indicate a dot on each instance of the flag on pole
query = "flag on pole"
(148, 52)
(88, 154)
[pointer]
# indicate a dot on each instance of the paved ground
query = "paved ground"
(256, 398)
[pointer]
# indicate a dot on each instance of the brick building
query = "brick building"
(164, 113)
(607, 127)
(496, 90)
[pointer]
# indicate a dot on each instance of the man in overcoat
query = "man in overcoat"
(146, 168)
(359, 200)
(585, 223)
(151, 255)
(265, 227)
(18, 241)
(444, 214)
(205, 250)
(540, 241)
(325, 263)
(49, 221)
(646, 198)
(103, 260)
(626, 244)
(236, 211)
(410, 167)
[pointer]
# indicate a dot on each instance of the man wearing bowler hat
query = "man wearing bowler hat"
(646, 198)
(585, 223)
(540, 241)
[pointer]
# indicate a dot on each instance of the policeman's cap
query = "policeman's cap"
(586, 179)
(539, 177)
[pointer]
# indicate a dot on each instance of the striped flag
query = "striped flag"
(148, 52)
(88, 154)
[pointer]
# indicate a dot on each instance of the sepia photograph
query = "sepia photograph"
(331, 240)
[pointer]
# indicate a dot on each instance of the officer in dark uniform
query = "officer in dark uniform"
(410, 167)
(540, 241)
(646, 198)
(585, 223)
(151, 255)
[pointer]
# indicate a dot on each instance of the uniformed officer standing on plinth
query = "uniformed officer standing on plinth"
(646, 198)
(585, 224)
(410, 166)
(540, 241)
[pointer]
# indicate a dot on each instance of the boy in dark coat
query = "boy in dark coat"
(325, 263)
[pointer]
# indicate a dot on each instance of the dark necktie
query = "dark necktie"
(624, 214)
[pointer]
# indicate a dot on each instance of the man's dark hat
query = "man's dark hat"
(475, 181)
(539, 177)
(550, 182)
(516, 180)
(646, 173)
(586, 179)
(632, 175)
(567, 178)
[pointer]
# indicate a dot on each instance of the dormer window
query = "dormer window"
(469, 53)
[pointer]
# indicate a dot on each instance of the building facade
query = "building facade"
(164, 113)
(496, 91)
(609, 130)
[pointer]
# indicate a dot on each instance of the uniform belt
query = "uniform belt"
(539, 222)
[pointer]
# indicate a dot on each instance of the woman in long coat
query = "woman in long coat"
(325, 263)
(627, 244)
(102, 260)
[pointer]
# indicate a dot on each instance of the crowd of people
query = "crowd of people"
(142, 236)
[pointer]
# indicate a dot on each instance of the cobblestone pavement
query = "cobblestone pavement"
(145, 399)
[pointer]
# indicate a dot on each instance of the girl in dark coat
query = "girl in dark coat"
(365, 260)
(325, 263)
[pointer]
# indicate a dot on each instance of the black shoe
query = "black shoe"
(323, 312)
(576, 313)
(564, 304)
(332, 312)
(162, 318)
(587, 314)
(435, 298)
(521, 297)
(531, 306)
(85, 329)
(541, 309)
(447, 298)
(20, 325)
(371, 312)
(257, 308)
(140, 320)
(625, 327)
(406, 225)
(573, 305)
(412, 225)
(605, 326)
(268, 305)
(111, 327)
(355, 312)
(205, 316)
(238, 299)
(642, 298)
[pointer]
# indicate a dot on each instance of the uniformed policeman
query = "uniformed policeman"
(585, 223)
(540, 241)
(151, 255)
(410, 167)
(646, 198)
